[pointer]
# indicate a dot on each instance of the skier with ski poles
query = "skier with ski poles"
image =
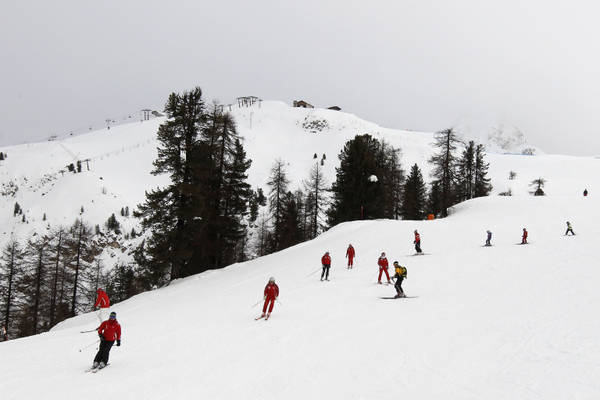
(103, 302)
(383, 267)
(271, 293)
(399, 276)
(417, 242)
(569, 229)
(524, 238)
(109, 332)
(350, 253)
(326, 262)
(488, 241)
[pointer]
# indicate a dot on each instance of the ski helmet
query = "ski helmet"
(113, 315)
(271, 279)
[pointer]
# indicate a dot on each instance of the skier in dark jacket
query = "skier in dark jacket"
(399, 276)
(109, 331)
(569, 229)
(488, 241)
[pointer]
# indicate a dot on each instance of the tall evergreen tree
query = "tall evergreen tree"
(368, 181)
(415, 196)
(483, 187)
(291, 232)
(316, 190)
(34, 287)
(444, 168)
(465, 188)
(278, 184)
(11, 273)
(170, 212)
(81, 253)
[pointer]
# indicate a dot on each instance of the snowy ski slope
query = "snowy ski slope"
(506, 322)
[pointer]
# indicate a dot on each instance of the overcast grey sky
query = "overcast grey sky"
(423, 65)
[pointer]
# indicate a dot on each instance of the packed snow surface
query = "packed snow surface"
(501, 322)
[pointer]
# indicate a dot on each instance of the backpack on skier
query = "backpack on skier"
(400, 271)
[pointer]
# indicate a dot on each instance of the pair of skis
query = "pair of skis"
(266, 317)
(95, 370)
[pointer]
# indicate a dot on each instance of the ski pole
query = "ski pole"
(255, 304)
(91, 330)
(89, 345)
(314, 272)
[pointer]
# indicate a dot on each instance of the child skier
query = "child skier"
(271, 293)
(326, 262)
(524, 238)
(109, 331)
(103, 302)
(383, 267)
(488, 241)
(399, 276)
(569, 229)
(417, 242)
(350, 253)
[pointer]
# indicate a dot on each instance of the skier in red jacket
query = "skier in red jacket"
(383, 266)
(524, 238)
(103, 302)
(417, 242)
(350, 253)
(326, 262)
(271, 294)
(109, 331)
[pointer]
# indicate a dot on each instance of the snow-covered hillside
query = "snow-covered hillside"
(120, 161)
(505, 322)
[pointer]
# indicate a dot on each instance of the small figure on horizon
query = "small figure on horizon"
(488, 240)
(569, 229)
(417, 242)
(524, 238)
(326, 262)
(383, 267)
(350, 253)
(585, 193)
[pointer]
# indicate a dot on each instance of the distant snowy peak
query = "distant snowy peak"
(498, 138)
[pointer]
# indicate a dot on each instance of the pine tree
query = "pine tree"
(16, 210)
(444, 169)
(291, 232)
(34, 288)
(482, 185)
(1, 156)
(278, 184)
(465, 188)
(11, 274)
(415, 195)
(316, 190)
(57, 252)
(171, 212)
(44, 217)
(368, 181)
(434, 201)
(81, 254)
(112, 224)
